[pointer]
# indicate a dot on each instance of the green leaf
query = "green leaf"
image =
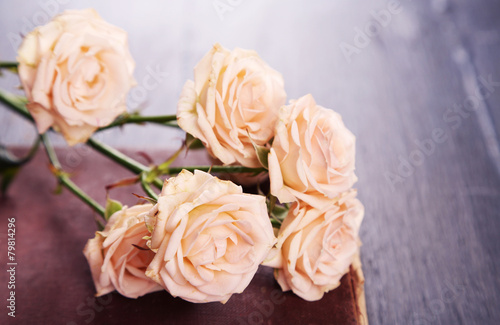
(193, 143)
(163, 167)
(59, 189)
(271, 203)
(277, 213)
(280, 212)
(112, 206)
(262, 153)
(149, 199)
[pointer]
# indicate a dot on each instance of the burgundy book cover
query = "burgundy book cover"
(53, 284)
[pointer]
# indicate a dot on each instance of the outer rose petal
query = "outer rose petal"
(232, 103)
(209, 237)
(76, 72)
(114, 262)
(316, 247)
(93, 253)
(186, 111)
(312, 155)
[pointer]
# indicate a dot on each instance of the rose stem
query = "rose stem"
(166, 120)
(145, 186)
(127, 162)
(133, 119)
(18, 104)
(137, 167)
(15, 103)
(8, 65)
(67, 182)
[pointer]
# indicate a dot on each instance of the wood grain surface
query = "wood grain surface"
(421, 94)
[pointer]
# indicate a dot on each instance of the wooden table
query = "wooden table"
(428, 155)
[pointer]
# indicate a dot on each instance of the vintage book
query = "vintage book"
(53, 284)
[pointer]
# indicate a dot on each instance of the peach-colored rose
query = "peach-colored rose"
(234, 100)
(316, 247)
(118, 255)
(209, 237)
(312, 156)
(76, 72)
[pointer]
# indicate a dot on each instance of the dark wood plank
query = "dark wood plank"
(429, 242)
(479, 26)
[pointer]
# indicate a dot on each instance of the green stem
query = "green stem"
(16, 104)
(8, 65)
(51, 153)
(282, 211)
(127, 162)
(217, 169)
(172, 124)
(66, 181)
(138, 119)
(147, 188)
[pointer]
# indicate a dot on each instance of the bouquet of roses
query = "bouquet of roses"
(201, 238)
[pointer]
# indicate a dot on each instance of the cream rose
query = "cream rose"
(118, 256)
(209, 236)
(76, 72)
(316, 247)
(312, 156)
(233, 101)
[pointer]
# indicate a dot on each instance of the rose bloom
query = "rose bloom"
(118, 256)
(76, 72)
(316, 247)
(209, 237)
(312, 155)
(233, 101)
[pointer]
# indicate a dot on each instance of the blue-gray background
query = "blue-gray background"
(300, 39)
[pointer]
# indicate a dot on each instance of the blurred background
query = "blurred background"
(418, 83)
